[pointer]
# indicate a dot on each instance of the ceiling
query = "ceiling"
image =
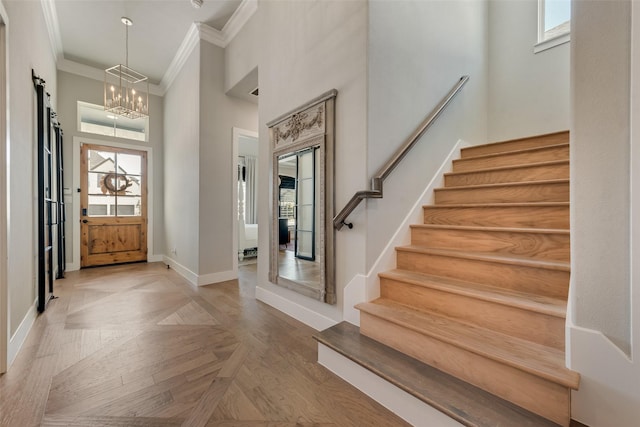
(91, 33)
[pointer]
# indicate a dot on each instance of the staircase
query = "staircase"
(481, 292)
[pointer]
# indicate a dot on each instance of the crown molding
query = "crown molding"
(245, 10)
(53, 28)
(95, 73)
(211, 35)
(188, 44)
(199, 31)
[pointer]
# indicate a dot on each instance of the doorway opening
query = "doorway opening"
(4, 170)
(245, 206)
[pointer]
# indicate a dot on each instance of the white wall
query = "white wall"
(29, 48)
(182, 165)
(417, 52)
(73, 88)
(528, 93)
(219, 113)
(306, 49)
(604, 318)
(600, 169)
(242, 54)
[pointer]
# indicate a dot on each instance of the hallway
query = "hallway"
(136, 345)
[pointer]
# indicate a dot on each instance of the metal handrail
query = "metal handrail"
(376, 182)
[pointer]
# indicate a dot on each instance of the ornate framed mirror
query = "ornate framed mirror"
(302, 233)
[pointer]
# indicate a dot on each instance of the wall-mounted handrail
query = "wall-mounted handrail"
(376, 182)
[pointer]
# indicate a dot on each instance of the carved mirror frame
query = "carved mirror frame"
(310, 125)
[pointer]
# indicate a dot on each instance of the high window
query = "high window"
(94, 119)
(554, 22)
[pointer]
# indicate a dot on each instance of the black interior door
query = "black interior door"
(50, 189)
(61, 214)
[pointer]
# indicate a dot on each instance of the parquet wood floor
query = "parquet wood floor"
(136, 345)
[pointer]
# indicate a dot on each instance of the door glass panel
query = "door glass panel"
(128, 209)
(131, 164)
(305, 197)
(97, 210)
(102, 161)
(305, 218)
(131, 185)
(129, 206)
(305, 244)
(101, 205)
(114, 184)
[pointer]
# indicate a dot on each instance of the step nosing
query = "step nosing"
(514, 362)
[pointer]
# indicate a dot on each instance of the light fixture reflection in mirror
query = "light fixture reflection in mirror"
(302, 234)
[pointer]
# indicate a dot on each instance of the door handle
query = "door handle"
(85, 221)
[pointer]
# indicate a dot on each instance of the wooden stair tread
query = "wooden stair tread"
(503, 184)
(489, 257)
(459, 400)
(482, 228)
(501, 205)
(521, 151)
(544, 362)
(510, 167)
(556, 307)
(529, 138)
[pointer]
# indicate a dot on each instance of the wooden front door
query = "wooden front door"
(113, 203)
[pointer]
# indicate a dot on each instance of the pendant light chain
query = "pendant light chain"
(126, 45)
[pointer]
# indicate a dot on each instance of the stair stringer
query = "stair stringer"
(366, 287)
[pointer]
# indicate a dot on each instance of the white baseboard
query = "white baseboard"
(195, 279)
(189, 275)
(299, 312)
(364, 288)
(155, 258)
(222, 276)
(401, 403)
(72, 266)
(18, 339)
(609, 394)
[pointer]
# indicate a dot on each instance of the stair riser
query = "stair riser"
(521, 278)
(536, 394)
(492, 216)
(512, 159)
(524, 174)
(522, 144)
(549, 246)
(521, 323)
(551, 192)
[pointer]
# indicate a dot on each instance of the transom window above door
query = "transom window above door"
(94, 119)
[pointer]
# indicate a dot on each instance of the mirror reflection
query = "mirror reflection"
(301, 245)
(298, 246)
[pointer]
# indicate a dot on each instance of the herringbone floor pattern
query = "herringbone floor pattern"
(136, 345)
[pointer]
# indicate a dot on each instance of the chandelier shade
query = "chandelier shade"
(126, 91)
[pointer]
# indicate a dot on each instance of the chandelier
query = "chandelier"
(126, 91)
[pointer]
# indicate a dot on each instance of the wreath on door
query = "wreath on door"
(114, 183)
